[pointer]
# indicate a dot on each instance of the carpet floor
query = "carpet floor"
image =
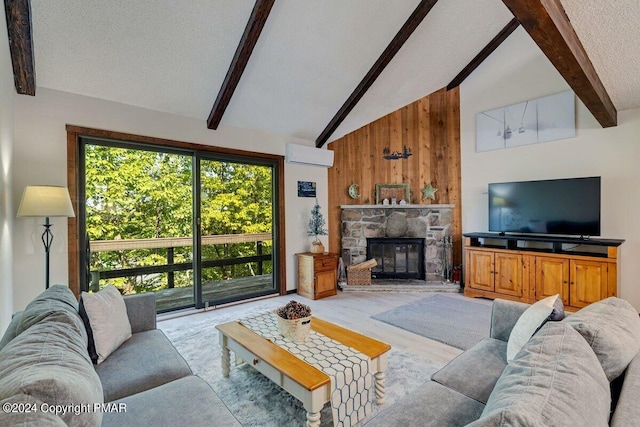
(453, 321)
(256, 401)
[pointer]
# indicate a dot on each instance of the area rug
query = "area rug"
(453, 321)
(256, 401)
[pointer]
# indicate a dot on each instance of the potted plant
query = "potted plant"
(316, 228)
(294, 321)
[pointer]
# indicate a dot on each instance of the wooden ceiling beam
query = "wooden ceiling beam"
(484, 53)
(548, 25)
(252, 31)
(398, 41)
(18, 14)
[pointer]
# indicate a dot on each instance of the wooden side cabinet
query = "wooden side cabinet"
(317, 275)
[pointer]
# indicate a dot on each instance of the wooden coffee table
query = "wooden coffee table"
(303, 381)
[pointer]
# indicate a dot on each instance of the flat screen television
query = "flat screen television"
(557, 206)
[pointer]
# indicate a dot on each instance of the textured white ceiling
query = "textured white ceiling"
(172, 56)
(452, 34)
(164, 55)
(610, 33)
(310, 57)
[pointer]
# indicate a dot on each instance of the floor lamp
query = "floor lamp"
(46, 201)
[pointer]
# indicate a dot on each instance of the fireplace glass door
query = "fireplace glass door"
(397, 258)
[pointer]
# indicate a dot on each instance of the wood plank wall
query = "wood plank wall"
(430, 127)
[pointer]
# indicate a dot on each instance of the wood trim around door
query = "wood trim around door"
(73, 178)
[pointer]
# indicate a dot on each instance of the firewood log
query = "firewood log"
(370, 263)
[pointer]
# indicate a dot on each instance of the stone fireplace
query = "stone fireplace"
(429, 222)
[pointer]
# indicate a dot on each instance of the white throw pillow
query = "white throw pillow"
(108, 320)
(531, 320)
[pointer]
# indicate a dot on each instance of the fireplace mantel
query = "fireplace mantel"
(413, 206)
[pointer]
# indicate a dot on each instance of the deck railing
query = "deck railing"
(170, 243)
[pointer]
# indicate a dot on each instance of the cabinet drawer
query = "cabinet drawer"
(258, 364)
(328, 263)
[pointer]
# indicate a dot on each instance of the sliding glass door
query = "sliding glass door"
(194, 228)
(236, 229)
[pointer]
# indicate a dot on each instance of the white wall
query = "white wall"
(40, 158)
(518, 71)
(6, 195)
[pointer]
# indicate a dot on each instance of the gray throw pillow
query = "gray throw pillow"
(556, 380)
(534, 317)
(612, 329)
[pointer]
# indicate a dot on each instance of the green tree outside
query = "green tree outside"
(136, 194)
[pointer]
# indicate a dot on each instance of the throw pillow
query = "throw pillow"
(612, 329)
(534, 317)
(107, 317)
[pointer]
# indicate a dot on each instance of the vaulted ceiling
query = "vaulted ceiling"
(311, 55)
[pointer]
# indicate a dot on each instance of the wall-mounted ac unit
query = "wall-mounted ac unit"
(297, 153)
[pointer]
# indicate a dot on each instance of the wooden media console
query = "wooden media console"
(528, 268)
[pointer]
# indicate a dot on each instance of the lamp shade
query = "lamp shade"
(45, 201)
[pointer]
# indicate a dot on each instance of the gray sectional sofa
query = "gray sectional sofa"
(583, 370)
(47, 377)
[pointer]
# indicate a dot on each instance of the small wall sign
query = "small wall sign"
(306, 189)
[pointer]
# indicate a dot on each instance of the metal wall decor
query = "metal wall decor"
(429, 192)
(387, 154)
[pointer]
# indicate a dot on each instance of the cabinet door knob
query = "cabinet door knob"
(255, 362)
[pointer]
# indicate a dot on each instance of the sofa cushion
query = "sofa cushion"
(146, 360)
(555, 380)
(106, 315)
(141, 311)
(475, 372)
(12, 330)
(612, 328)
(430, 405)
(504, 315)
(550, 308)
(198, 406)
(49, 362)
(627, 411)
(28, 413)
(57, 299)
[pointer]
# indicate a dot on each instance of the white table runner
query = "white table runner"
(348, 369)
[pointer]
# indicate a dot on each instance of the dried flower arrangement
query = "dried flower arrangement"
(294, 310)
